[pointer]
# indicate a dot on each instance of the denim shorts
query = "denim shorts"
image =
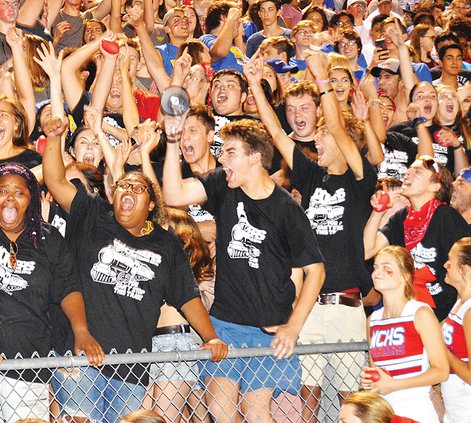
(253, 373)
(86, 392)
(177, 371)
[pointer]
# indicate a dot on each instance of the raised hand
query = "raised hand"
(93, 119)
(48, 60)
(318, 64)
(253, 69)
(360, 106)
(14, 37)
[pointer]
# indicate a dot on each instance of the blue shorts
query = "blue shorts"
(178, 371)
(253, 373)
(86, 392)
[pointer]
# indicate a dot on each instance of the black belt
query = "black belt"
(350, 300)
(170, 330)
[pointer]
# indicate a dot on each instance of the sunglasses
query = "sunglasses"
(430, 163)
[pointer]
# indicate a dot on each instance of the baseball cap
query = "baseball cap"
(168, 15)
(350, 2)
(281, 67)
(391, 66)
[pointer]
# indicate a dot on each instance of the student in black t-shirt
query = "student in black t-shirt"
(335, 196)
(128, 262)
(428, 229)
(36, 272)
(262, 234)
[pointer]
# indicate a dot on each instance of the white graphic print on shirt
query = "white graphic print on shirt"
(394, 164)
(243, 235)
(9, 281)
(324, 211)
(216, 146)
(121, 265)
(422, 256)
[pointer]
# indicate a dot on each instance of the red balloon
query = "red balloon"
(111, 47)
(383, 202)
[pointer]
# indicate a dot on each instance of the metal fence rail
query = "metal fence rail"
(46, 388)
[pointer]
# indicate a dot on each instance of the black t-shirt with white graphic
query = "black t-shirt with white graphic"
(220, 122)
(337, 207)
(443, 155)
(43, 276)
(445, 228)
(125, 279)
(399, 153)
(258, 243)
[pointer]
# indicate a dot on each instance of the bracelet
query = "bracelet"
(330, 90)
(456, 147)
(174, 141)
(374, 102)
(418, 121)
(324, 81)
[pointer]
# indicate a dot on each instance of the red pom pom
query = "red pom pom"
(383, 202)
(111, 47)
(374, 375)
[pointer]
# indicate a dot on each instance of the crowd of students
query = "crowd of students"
(323, 163)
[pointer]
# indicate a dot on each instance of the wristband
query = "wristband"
(169, 141)
(324, 81)
(330, 90)
(456, 147)
(418, 121)
(374, 102)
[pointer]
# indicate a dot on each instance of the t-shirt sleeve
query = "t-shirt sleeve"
(183, 286)
(304, 169)
(214, 184)
(301, 239)
(64, 277)
(394, 229)
(422, 72)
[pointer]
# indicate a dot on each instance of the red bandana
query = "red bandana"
(415, 226)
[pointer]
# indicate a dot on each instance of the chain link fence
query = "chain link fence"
(63, 389)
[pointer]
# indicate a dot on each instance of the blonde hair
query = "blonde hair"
(370, 407)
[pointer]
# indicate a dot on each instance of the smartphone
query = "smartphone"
(380, 43)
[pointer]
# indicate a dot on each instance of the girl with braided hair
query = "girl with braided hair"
(36, 270)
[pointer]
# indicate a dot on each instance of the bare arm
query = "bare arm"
(428, 327)
(178, 192)
(460, 367)
(152, 57)
(29, 12)
(101, 10)
(368, 88)
(223, 43)
(72, 86)
(130, 112)
(287, 334)
(148, 140)
(253, 70)
(198, 318)
(318, 65)
(115, 17)
(53, 166)
(23, 82)
(74, 308)
(373, 239)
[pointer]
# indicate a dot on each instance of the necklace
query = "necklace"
(146, 230)
(13, 253)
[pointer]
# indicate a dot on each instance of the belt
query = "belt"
(170, 330)
(350, 300)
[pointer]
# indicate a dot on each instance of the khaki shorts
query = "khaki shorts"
(330, 324)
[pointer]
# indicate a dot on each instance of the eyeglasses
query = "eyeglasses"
(12, 4)
(359, 5)
(13, 253)
(347, 24)
(350, 43)
(430, 163)
(303, 33)
(420, 96)
(135, 188)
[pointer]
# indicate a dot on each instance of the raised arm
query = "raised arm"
(148, 138)
(178, 192)
(23, 82)
(115, 17)
(152, 57)
(130, 112)
(368, 88)
(29, 12)
(318, 65)
(71, 84)
(360, 110)
(223, 43)
(101, 10)
(53, 166)
(104, 80)
(373, 239)
(253, 70)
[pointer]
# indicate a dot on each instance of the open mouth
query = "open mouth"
(229, 173)
(127, 202)
(188, 149)
(449, 108)
(89, 159)
(9, 214)
(339, 91)
(428, 109)
(301, 124)
(221, 98)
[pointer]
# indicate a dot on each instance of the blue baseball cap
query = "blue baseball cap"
(280, 66)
